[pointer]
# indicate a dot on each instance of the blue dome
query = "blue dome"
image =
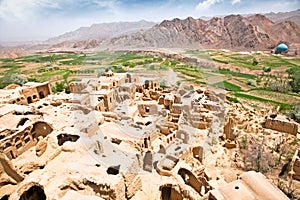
(282, 47)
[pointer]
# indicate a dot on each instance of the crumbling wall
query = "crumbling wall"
(135, 184)
(9, 169)
(146, 109)
(35, 93)
(77, 87)
(43, 90)
(107, 191)
(34, 193)
(228, 129)
(29, 191)
(22, 140)
(30, 94)
(166, 165)
(296, 165)
(282, 126)
(198, 153)
(190, 179)
(170, 192)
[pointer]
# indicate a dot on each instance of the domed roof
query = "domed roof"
(282, 47)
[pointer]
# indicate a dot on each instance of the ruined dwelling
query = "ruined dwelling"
(23, 95)
(112, 135)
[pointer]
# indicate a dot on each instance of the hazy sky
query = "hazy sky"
(41, 19)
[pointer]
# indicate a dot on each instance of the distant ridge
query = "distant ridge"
(230, 32)
(293, 16)
(236, 32)
(102, 31)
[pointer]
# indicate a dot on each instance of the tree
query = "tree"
(295, 114)
(294, 76)
(251, 82)
(163, 83)
(67, 90)
(59, 87)
(257, 156)
(254, 62)
(267, 69)
(17, 79)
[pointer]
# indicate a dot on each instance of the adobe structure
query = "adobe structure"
(29, 93)
(281, 123)
(119, 136)
(250, 185)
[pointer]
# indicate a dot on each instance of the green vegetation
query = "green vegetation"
(283, 106)
(267, 69)
(233, 99)
(131, 59)
(118, 69)
(163, 84)
(289, 98)
(265, 86)
(6, 59)
(11, 67)
(250, 60)
(294, 76)
(238, 74)
(295, 114)
(202, 54)
(220, 61)
(251, 82)
(191, 71)
(228, 86)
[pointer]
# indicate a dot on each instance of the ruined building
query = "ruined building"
(23, 95)
(118, 136)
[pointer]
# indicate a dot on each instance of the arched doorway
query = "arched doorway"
(29, 100)
(147, 84)
(34, 193)
(41, 95)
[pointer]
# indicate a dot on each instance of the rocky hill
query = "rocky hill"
(102, 31)
(236, 32)
(230, 32)
(293, 16)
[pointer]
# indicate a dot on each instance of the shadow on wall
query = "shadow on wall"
(168, 192)
(41, 129)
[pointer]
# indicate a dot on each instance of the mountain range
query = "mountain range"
(102, 31)
(240, 32)
(229, 32)
(293, 16)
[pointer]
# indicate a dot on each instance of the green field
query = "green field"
(238, 74)
(61, 68)
(283, 106)
(256, 60)
(53, 67)
(228, 86)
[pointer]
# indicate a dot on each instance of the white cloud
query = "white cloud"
(235, 1)
(204, 5)
(106, 3)
(11, 10)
